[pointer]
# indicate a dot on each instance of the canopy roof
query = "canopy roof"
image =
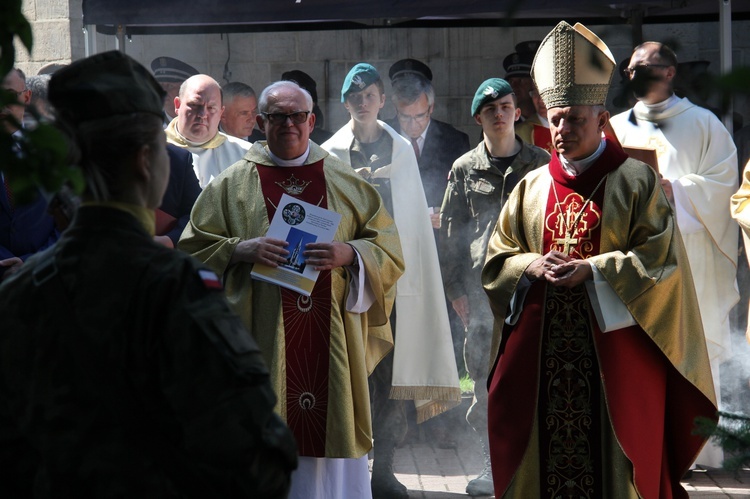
(200, 16)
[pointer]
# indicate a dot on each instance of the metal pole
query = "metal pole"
(326, 83)
(725, 52)
(120, 38)
(636, 26)
(89, 39)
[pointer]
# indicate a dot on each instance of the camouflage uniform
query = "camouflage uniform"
(476, 192)
(123, 373)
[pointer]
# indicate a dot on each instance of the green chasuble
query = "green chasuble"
(232, 208)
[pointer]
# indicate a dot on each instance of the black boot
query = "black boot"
(482, 485)
(383, 483)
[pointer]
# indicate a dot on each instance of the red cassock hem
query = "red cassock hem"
(652, 407)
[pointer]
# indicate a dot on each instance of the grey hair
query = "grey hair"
(599, 109)
(275, 87)
(38, 85)
(408, 88)
(236, 89)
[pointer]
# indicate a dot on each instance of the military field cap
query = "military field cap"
(489, 90)
(573, 67)
(171, 70)
(519, 62)
(104, 85)
(409, 66)
(302, 79)
(360, 77)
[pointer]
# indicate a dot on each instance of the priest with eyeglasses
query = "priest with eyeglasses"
(320, 349)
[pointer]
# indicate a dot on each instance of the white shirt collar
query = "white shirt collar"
(662, 106)
(579, 166)
(298, 161)
(421, 138)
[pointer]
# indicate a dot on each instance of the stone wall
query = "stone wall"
(460, 58)
(57, 29)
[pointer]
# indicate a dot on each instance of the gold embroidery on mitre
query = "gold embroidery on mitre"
(293, 186)
(572, 67)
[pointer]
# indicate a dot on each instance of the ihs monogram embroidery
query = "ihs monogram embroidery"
(293, 186)
(571, 224)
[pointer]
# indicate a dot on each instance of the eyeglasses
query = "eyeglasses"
(297, 118)
(419, 118)
(642, 67)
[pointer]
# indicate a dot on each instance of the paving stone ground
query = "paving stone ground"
(432, 473)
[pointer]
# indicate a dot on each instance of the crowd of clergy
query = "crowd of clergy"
(579, 267)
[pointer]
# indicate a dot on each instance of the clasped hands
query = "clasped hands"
(560, 269)
(273, 252)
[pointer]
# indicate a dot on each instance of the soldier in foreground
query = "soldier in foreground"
(123, 372)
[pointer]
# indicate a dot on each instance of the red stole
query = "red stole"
(307, 321)
(544, 371)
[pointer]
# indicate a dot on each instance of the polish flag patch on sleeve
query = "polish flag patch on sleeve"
(210, 279)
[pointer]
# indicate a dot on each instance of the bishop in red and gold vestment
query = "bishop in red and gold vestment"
(599, 363)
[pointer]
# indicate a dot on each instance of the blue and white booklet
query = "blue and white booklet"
(298, 223)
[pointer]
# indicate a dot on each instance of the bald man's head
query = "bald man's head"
(199, 107)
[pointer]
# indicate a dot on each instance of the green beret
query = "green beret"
(489, 90)
(359, 78)
(104, 85)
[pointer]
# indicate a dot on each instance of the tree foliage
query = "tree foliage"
(732, 433)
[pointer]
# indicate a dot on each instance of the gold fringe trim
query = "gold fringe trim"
(433, 408)
(436, 393)
(429, 400)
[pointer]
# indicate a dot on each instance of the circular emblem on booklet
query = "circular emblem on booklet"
(293, 214)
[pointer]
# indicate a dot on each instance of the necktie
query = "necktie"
(415, 145)
(8, 192)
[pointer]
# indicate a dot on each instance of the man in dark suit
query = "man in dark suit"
(182, 191)
(437, 145)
